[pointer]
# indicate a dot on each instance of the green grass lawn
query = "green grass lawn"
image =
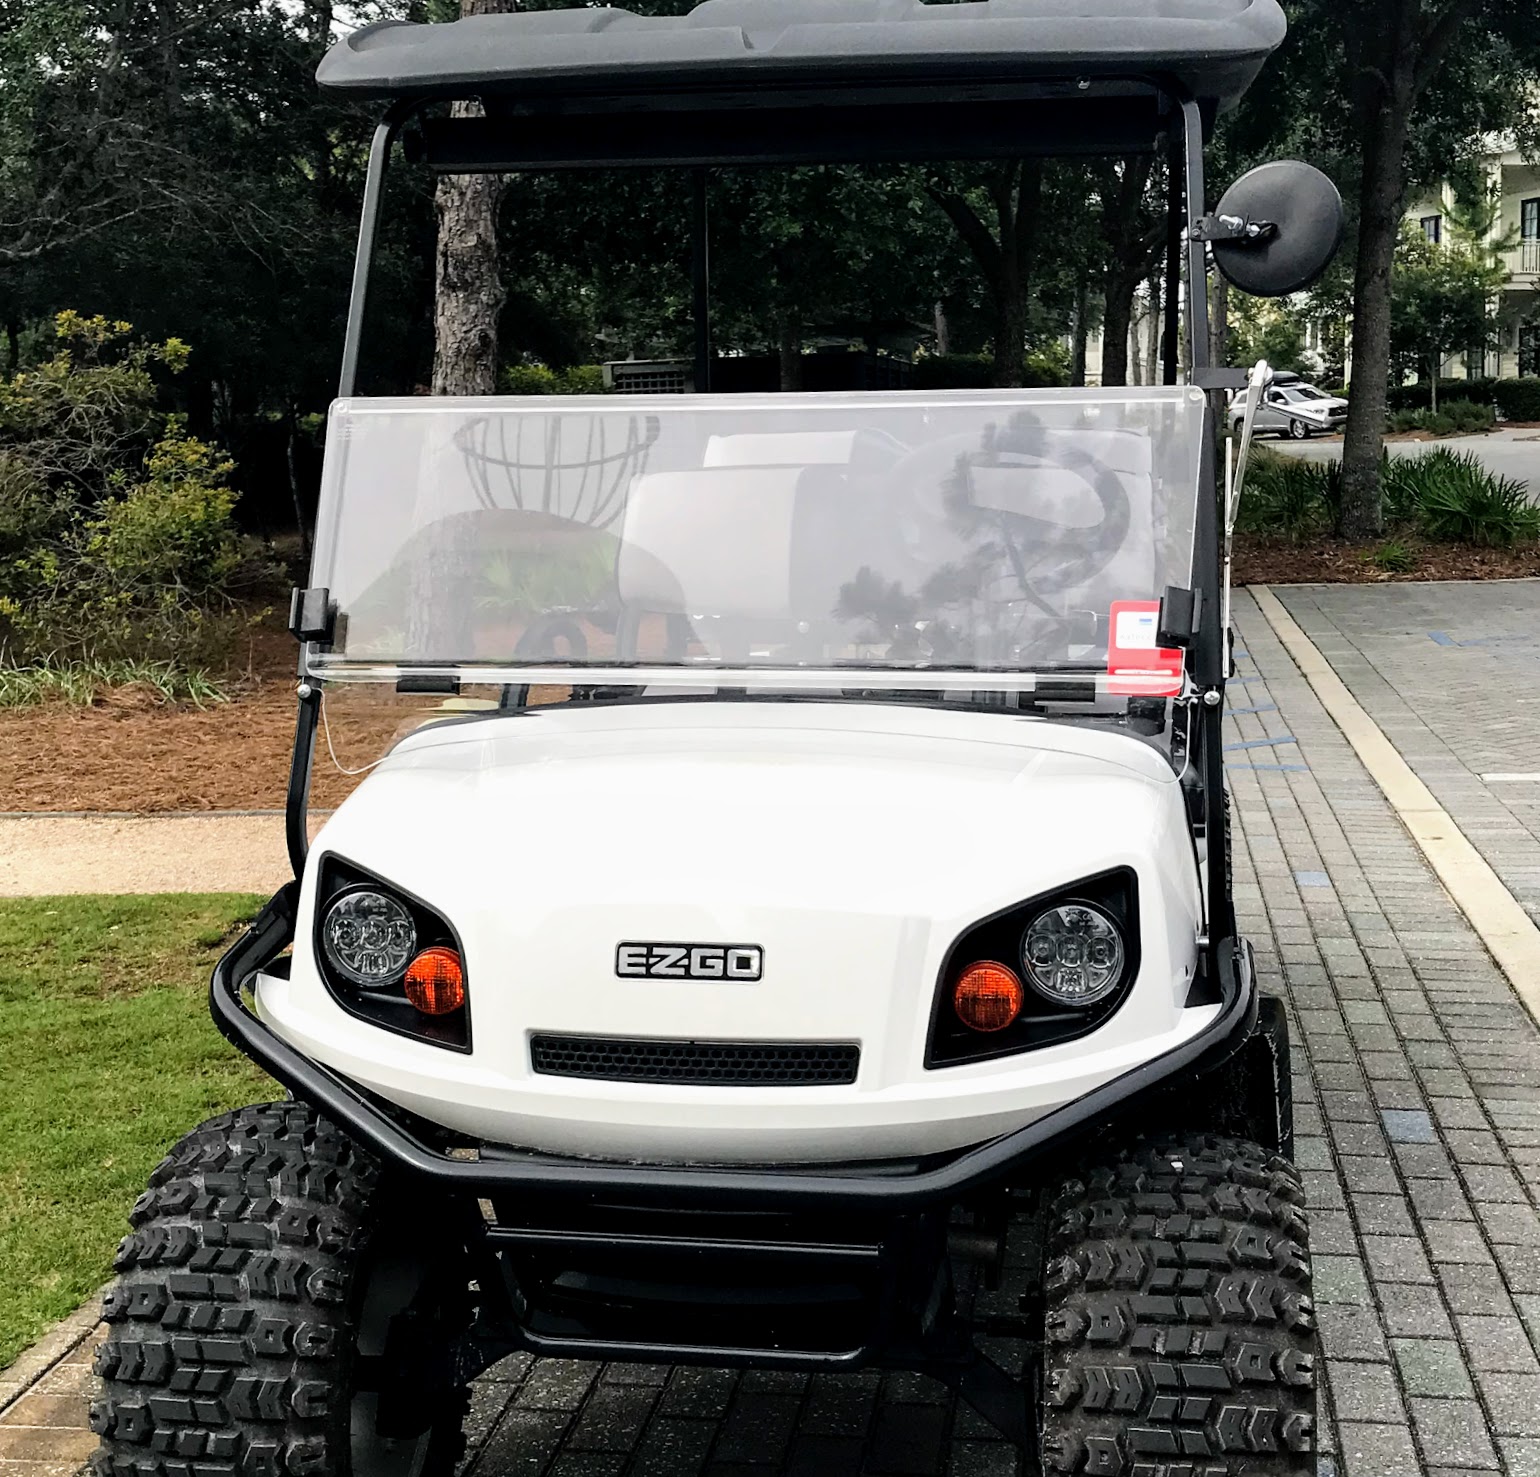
(107, 1055)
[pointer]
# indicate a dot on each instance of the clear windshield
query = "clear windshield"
(669, 538)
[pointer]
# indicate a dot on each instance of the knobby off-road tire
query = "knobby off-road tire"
(1180, 1331)
(256, 1296)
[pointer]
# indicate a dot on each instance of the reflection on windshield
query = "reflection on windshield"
(979, 530)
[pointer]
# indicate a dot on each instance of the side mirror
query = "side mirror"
(1277, 228)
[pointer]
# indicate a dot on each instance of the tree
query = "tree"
(1010, 196)
(468, 282)
(1261, 329)
(1441, 300)
(1132, 233)
(1395, 52)
(1385, 95)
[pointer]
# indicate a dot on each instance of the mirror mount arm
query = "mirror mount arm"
(1231, 228)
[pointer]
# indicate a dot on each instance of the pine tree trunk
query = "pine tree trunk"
(789, 340)
(1018, 194)
(469, 291)
(469, 285)
(1117, 319)
(1010, 334)
(1082, 329)
(1386, 118)
(1219, 322)
(1152, 345)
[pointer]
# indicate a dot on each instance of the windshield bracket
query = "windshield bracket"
(312, 615)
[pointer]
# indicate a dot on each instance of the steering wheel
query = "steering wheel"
(1046, 557)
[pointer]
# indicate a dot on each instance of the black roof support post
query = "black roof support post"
(700, 277)
(1209, 658)
(368, 229)
(302, 761)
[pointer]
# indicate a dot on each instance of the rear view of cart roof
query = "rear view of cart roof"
(1037, 61)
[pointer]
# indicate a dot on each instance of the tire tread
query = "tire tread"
(1180, 1330)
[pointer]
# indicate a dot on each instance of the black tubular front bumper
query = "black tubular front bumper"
(388, 1134)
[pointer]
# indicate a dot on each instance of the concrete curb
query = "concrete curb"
(53, 1348)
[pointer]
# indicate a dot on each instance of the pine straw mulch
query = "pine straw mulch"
(132, 753)
(1341, 561)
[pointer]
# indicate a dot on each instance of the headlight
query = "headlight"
(1052, 968)
(369, 938)
(1073, 954)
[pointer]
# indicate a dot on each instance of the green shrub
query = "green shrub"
(117, 540)
(1420, 395)
(1469, 417)
(538, 379)
(1287, 496)
(1454, 417)
(1454, 498)
(1518, 399)
(84, 682)
(954, 372)
(1393, 557)
(1042, 367)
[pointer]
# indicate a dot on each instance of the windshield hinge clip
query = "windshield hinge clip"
(312, 615)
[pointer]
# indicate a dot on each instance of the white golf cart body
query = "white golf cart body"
(817, 950)
(852, 841)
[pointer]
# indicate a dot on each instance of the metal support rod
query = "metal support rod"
(1211, 655)
(1197, 259)
(297, 805)
(700, 278)
(368, 228)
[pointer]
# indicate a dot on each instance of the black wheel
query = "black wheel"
(280, 1311)
(1180, 1331)
(1298, 431)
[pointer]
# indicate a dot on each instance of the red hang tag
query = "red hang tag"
(1136, 666)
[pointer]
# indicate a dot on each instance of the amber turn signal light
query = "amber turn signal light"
(988, 997)
(435, 981)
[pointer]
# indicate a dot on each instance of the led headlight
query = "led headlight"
(369, 937)
(1073, 954)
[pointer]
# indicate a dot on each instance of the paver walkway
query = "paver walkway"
(218, 852)
(1418, 1092)
(1451, 673)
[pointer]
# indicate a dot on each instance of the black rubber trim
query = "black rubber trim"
(645, 1184)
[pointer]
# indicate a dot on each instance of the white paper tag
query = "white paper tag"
(1135, 629)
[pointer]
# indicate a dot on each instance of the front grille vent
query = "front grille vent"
(697, 1063)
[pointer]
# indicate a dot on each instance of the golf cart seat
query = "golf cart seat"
(867, 450)
(680, 529)
(819, 543)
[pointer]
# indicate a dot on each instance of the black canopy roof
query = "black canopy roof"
(1211, 48)
(741, 81)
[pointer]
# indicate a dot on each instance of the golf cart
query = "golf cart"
(843, 972)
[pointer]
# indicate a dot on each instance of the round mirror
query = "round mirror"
(1304, 213)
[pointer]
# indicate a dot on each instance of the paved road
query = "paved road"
(1513, 453)
(1417, 1080)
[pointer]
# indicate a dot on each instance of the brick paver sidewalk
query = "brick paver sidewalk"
(1451, 673)
(1418, 1091)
